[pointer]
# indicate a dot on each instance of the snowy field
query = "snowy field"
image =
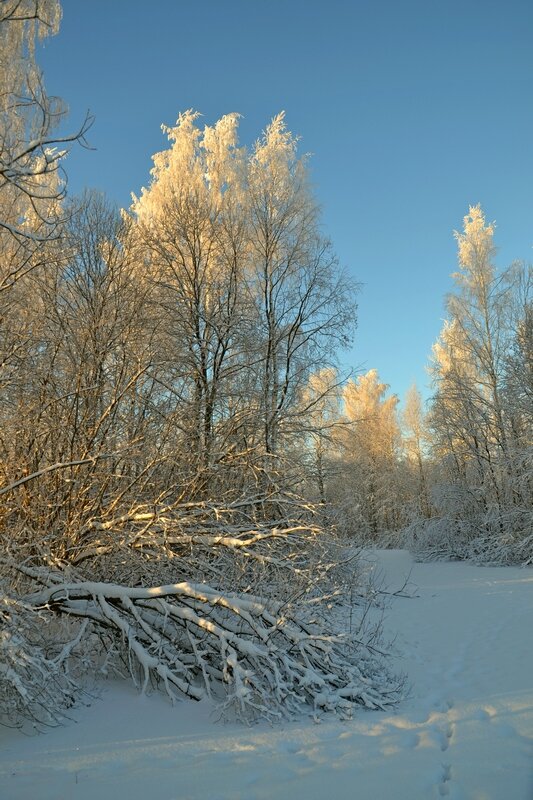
(465, 731)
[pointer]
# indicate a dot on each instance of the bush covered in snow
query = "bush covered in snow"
(264, 638)
(39, 664)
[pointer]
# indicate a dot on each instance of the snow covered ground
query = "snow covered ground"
(465, 732)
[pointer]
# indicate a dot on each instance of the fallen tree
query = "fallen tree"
(249, 654)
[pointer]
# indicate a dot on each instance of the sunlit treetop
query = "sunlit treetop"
(475, 247)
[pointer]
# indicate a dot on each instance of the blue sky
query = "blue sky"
(412, 111)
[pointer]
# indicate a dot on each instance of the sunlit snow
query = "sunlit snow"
(465, 731)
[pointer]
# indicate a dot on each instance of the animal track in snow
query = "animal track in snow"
(445, 736)
(446, 776)
(439, 730)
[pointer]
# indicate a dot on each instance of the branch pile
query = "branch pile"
(235, 545)
(194, 640)
(259, 638)
(37, 678)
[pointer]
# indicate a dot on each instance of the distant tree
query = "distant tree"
(518, 381)
(370, 447)
(322, 415)
(469, 367)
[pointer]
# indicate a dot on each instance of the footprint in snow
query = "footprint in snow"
(443, 787)
(441, 703)
(446, 736)
(345, 735)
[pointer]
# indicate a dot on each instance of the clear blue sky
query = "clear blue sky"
(412, 110)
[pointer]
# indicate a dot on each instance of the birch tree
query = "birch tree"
(470, 361)
(305, 304)
(250, 294)
(32, 180)
(192, 234)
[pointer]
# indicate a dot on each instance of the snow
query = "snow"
(464, 732)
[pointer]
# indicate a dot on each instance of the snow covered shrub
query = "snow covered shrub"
(505, 537)
(263, 638)
(496, 536)
(37, 681)
(446, 536)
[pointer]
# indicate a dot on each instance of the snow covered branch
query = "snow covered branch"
(245, 652)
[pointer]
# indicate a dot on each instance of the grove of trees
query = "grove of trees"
(154, 371)
(184, 472)
(452, 479)
(481, 413)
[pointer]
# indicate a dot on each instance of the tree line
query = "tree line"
(451, 477)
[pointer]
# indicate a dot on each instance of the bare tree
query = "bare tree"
(304, 303)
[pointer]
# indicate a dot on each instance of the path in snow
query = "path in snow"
(465, 732)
